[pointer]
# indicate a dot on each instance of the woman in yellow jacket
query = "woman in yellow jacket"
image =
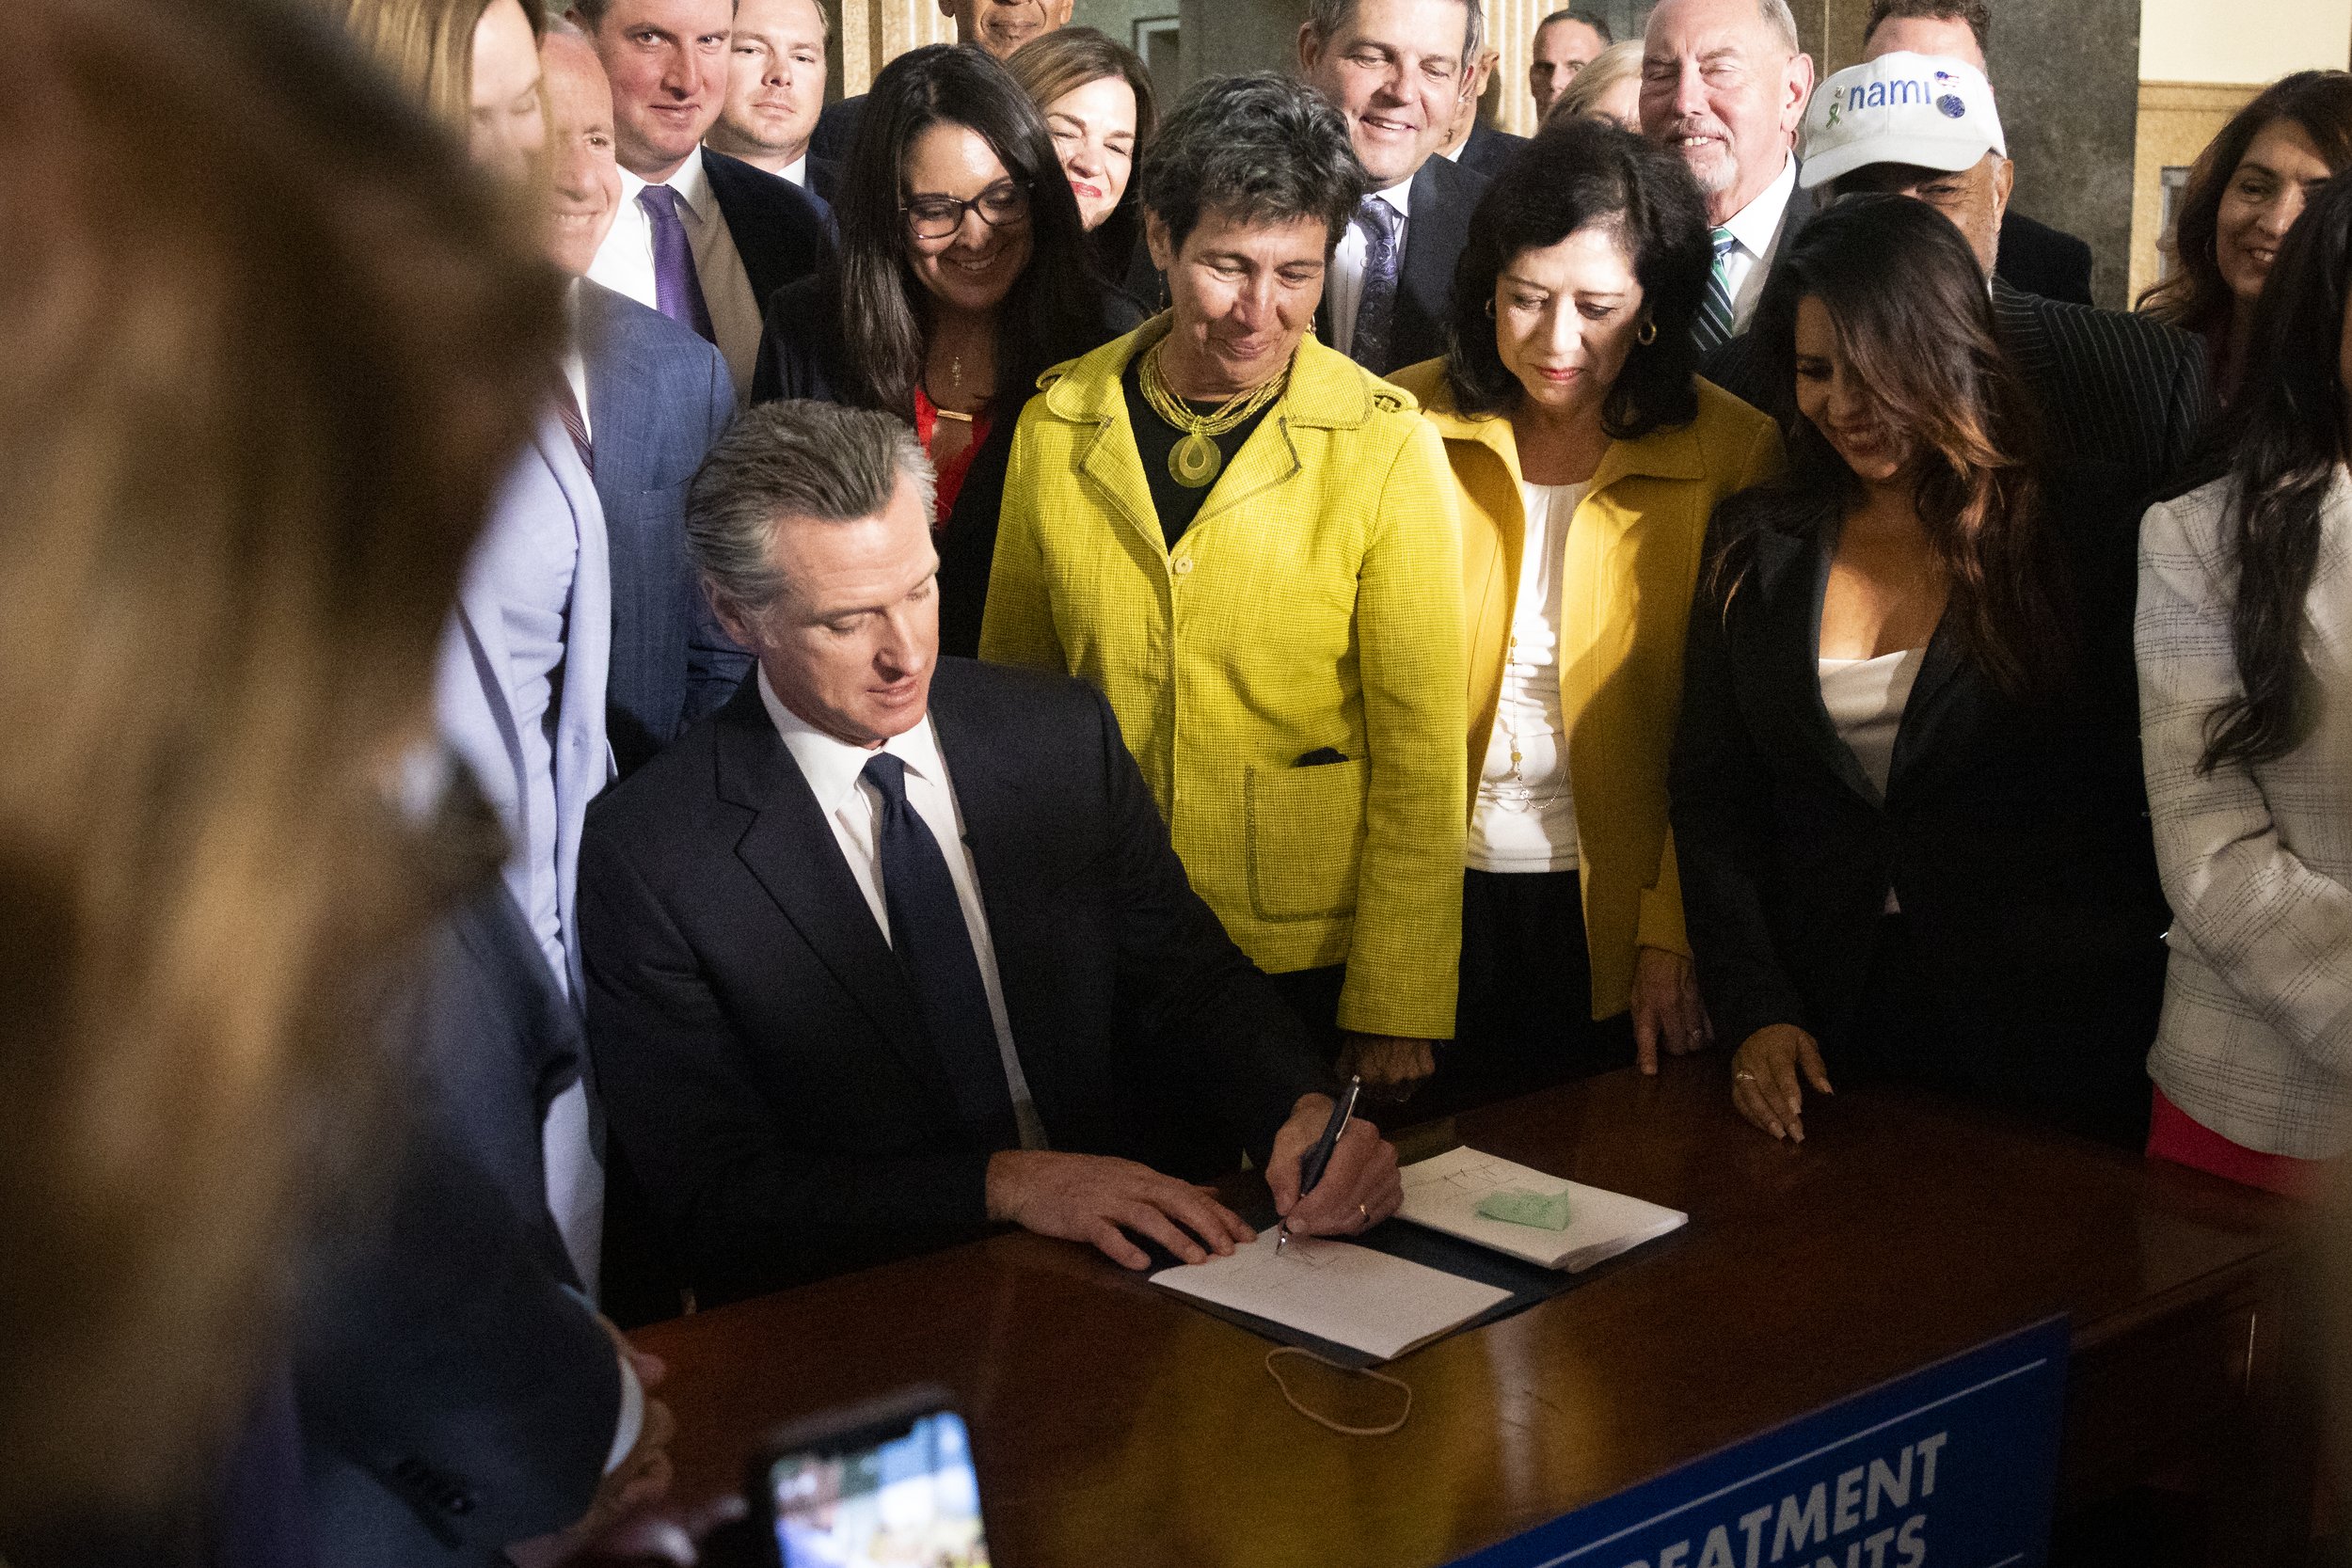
(1250, 545)
(1589, 457)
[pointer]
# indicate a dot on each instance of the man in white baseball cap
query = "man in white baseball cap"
(1916, 125)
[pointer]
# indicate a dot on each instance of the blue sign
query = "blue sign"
(1954, 1467)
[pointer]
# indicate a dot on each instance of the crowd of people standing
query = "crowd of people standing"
(966, 657)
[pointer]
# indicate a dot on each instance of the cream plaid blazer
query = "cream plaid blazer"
(2256, 1040)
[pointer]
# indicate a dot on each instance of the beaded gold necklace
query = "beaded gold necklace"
(1196, 460)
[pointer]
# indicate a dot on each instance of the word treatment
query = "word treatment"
(1832, 1515)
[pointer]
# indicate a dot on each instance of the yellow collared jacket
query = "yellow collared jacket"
(1629, 570)
(1315, 603)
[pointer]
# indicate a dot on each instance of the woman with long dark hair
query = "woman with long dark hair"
(962, 275)
(2244, 193)
(1906, 785)
(1588, 455)
(2245, 635)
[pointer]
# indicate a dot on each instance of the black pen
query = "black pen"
(1311, 1170)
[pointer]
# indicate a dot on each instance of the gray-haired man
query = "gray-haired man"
(894, 946)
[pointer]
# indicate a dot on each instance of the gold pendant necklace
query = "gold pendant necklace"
(1196, 460)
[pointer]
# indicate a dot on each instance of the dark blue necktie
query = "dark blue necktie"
(927, 932)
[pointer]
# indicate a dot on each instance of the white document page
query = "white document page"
(1444, 1194)
(1350, 1295)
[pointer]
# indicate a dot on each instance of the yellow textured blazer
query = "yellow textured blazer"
(1314, 603)
(1629, 568)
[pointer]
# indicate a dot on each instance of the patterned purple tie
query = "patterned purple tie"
(677, 292)
(1375, 307)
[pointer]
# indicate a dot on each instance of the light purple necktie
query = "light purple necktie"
(677, 292)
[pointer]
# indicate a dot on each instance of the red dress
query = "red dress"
(2174, 1135)
(950, 473)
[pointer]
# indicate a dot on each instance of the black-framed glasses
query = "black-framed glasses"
(936, 217)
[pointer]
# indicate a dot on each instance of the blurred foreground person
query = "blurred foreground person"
(2245, 635)
(224, 560)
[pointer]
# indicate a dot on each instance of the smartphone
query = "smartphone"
(889, 1485)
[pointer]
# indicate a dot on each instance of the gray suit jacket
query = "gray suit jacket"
(658, 399)
(2256, 1042)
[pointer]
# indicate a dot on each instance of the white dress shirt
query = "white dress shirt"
(1346, 285)
(623, 263)
(1756, 230)
(576, 363)
(835, 770)
(1525, 818)
(796, 171)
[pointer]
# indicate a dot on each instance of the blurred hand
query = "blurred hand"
(638, 1483)
(1088, 1198)
(1359, 1187)
(1667, 1012)
(1764, 1078)
(1390, 1066)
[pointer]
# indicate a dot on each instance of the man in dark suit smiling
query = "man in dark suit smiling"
(892, 947)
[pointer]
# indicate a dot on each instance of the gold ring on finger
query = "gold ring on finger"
(1743, 1077)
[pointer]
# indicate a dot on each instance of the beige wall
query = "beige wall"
(871, 33)
(2241, 40)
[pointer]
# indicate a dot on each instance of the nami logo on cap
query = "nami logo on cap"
(1927, 110)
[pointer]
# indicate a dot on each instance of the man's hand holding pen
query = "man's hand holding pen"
(1358, 1187)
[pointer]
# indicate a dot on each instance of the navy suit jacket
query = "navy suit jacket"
(760, 1048)
(1435, 226)
(658, 399)
(780, 232)
(1488, 149)
(837, 128)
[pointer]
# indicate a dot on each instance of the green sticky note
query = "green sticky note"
(1517, 1206)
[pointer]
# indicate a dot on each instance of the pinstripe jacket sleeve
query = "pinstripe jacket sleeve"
(2256, 1040)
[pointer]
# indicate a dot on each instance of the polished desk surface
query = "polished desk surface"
(1114, 1424)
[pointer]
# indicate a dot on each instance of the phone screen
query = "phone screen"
(909, 1501)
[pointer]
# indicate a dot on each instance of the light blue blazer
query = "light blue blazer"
(474, 698)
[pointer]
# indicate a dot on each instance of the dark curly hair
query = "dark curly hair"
(1259, 149)
(1575, 174)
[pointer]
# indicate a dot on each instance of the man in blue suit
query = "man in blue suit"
(653, 397)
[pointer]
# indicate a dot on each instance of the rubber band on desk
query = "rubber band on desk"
(1292, 1400)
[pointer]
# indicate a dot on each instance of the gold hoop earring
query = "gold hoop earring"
(1646, 334)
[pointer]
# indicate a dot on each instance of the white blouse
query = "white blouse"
(1525, 818)
(1866, 699)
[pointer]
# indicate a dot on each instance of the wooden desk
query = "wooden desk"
(1114, 1425)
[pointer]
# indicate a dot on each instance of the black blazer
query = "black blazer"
(1435, 227)
(778, 230)
(658, 399)
(763, 1063)
(2039, 260)
(2122, 398)
(824, 178)
(2015, 837)
(1488, 149)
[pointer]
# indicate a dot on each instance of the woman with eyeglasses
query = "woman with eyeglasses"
(961, 275)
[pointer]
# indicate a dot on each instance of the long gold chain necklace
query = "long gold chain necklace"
(1196, 460)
